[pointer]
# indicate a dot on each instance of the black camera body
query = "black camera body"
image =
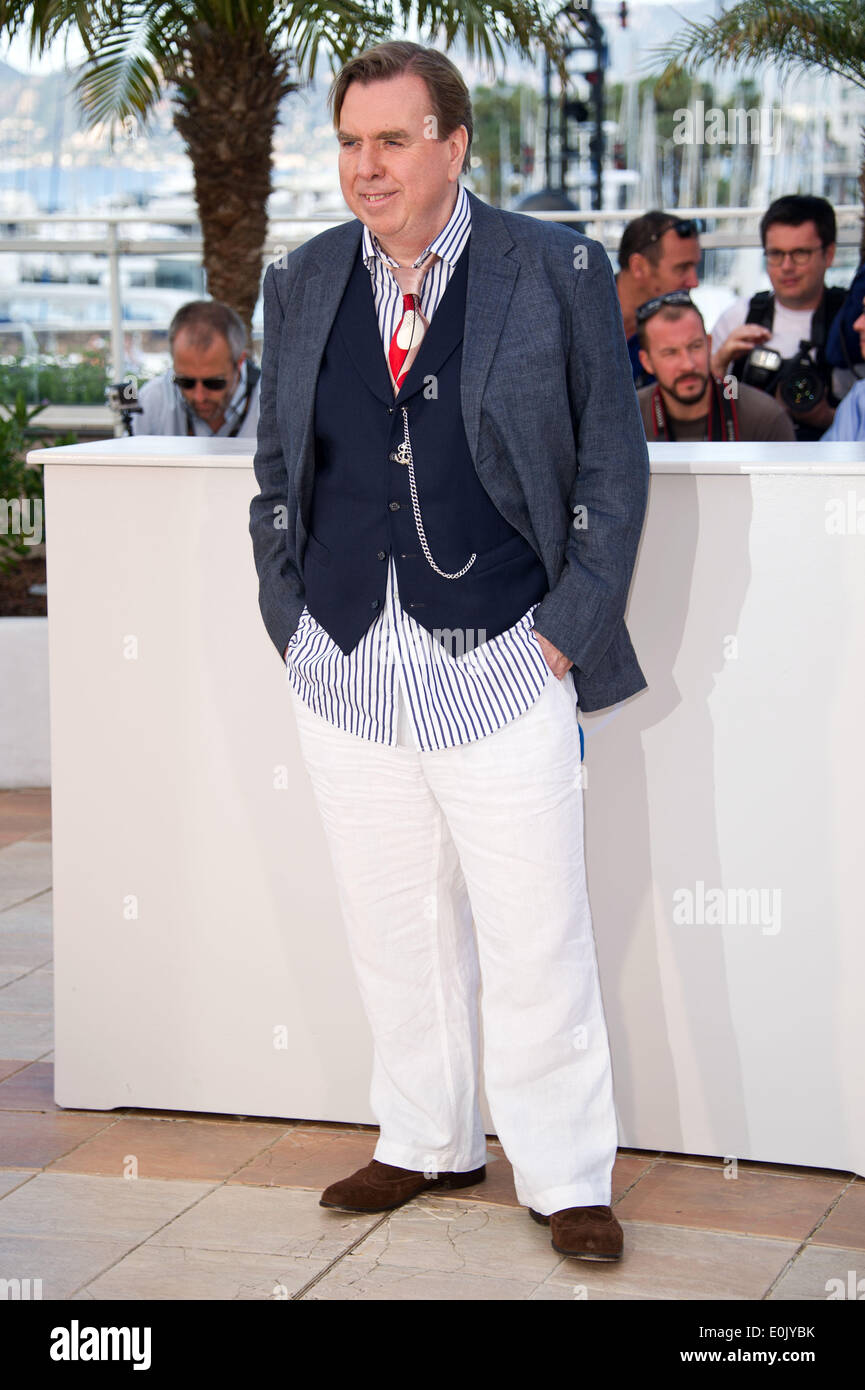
(800, 385)
(122, 397)
(796, 379)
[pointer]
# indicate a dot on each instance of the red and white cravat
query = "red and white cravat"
(406, 341)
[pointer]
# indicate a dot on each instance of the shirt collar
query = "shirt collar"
(443, 244)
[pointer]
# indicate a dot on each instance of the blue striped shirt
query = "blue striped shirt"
(452, 697)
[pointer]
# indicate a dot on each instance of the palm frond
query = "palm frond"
(489, 30)
(340, 27)
(45, 21)
(795, 35)
(130, 65)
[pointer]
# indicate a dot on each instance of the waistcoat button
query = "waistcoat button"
(374, 603)
(382, 555)
(394, 506)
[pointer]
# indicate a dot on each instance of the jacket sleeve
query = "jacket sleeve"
(842, 344)
(273, 512)
(582, 612)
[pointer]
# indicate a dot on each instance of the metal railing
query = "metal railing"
(604, 225)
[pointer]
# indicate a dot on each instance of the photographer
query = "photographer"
(776, 340)
(658, 253)
(687, 402)
(212, 390)
(849, 422)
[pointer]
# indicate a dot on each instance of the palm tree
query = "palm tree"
(795, 35)
(227, 64)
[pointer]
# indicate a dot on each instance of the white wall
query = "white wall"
(24, 748)
(199, 957)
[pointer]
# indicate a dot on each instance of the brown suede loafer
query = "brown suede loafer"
(587, 1233)
(381, 1187)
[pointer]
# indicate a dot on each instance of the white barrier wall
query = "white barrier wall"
(199, 956)
(24, 736)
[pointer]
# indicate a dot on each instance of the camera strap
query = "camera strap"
(761, 310)
(252, 375)
(722, 421)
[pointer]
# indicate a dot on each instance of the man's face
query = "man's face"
(797, 286)
(677, 353)
(395, 175)
(677, 265)
(859, 327)
(215, 360)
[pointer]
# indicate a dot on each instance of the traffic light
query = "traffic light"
(527, 160)
(623, 14)
(577, 111)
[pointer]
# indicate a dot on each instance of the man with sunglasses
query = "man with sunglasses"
(658, 253)
(793, 320)
(212, 390)
(687, 402)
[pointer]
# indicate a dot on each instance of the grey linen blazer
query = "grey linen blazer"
(550, 415)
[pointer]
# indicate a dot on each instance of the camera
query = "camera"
(122, 397)
(800, 385)
(762, 368)
(796, 379)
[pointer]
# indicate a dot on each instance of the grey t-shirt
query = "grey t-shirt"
(760, 418)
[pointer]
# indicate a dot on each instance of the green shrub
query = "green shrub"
(19, 481)
(73, 380)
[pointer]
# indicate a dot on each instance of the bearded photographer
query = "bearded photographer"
(776, 340)
(687, 402)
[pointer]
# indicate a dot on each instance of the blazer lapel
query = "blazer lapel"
(309, 324)
(492, 274)
(358, 327)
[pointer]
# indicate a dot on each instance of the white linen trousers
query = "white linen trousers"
(424, 842)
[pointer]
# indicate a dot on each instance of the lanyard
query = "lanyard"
(722, 417)
(250, 387)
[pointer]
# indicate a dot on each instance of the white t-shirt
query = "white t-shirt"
(790, 327)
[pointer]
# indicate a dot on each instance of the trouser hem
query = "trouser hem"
(423, 1161)
(585, 1194)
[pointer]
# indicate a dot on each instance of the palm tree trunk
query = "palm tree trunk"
(226, 115)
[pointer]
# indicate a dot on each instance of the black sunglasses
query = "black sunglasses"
(651, 306)
(683, 227)
(210, 383)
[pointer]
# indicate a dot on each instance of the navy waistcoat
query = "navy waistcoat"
(361, 510)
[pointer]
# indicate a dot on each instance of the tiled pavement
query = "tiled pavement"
(225, 1207)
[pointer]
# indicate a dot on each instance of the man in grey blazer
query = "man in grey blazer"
(450, 441)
